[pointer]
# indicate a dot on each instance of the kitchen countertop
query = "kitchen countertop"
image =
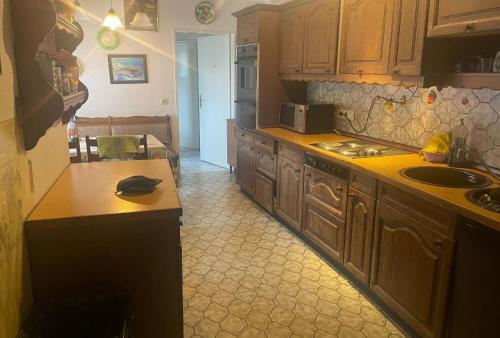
(386, 169)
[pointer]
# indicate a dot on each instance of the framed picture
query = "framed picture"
(496, 63)
(127, 68)
(141, 15)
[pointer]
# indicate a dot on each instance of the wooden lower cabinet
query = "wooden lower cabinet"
(264, 192)
(289, 192)
(265, 163)
(324, 229)
(359, 234)
(410, 269)
(245, 163)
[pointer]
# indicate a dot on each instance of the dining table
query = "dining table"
(156, 149)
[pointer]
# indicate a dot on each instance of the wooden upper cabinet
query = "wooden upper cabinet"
(292, 40)
(320, 39)
(365, 40)
(453, 17)
(410, 269)
(247, 28)
(410, 25)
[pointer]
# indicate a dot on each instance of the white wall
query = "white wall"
(187, 93)
(145, 99)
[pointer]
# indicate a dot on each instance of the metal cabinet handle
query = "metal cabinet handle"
(438, 243)
(340, 188)
(395, 70)
(351, 194)
(297, 70)
(308, 175)
(360, 72)
(327, 71)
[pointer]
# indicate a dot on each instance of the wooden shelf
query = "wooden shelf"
(472, 80)
(74, 100)
(63, 24)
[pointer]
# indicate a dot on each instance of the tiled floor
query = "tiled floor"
(246, 275)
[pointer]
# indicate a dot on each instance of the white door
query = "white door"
(187, 94)
(214, 78)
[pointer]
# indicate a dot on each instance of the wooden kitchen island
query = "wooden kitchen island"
(83, 238)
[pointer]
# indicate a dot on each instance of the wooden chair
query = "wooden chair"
(94, 157)
(75, 145)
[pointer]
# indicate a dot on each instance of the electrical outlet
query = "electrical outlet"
(164, 101)
(346, 113)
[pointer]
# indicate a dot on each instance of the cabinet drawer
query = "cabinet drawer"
(265, 143)
(363, 183)
(248, 28)
(266, 163)
(325, 191)
(290, 152)
(245, 135)
(264, 192)
(434, 216)
(324, 229)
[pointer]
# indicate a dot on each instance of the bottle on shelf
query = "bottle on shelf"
(458, 151)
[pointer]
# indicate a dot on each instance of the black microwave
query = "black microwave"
(308, 119)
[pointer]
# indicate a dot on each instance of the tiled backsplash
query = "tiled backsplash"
(414, 123)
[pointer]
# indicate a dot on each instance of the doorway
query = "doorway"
(204, 75)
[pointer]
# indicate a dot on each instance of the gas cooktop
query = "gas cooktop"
(359, 149)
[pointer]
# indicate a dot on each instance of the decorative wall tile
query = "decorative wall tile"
(416, 121)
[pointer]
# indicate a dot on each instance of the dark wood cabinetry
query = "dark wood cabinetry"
(292, 39)
(410, 25)
(365, 40)
(264, 192)
(46, 35)
(245, 161)
(410, 269)
(320, 37)
(359, 234)
(324, 229)
(326, 191)
(451, 17)
(289, 192)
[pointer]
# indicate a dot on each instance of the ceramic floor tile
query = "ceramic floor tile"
(247, 275)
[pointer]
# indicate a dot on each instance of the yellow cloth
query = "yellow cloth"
(117, 146)
(438, 144)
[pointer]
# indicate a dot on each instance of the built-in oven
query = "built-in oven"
(246, 86)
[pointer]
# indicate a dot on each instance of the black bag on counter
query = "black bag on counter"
(136, 185)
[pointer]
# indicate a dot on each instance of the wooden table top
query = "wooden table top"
(386, 169)
(88, 190)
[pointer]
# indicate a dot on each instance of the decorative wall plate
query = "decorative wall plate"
(205, 13)
(108, 39)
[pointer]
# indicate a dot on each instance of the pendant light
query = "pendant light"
(112, 21)
(141, 20)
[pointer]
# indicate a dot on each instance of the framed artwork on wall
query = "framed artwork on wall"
(141, 15)
(127, 68)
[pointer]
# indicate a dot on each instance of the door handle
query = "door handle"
(201, 101)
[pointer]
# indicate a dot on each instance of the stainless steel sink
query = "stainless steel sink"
(486, 198)
(446, 177)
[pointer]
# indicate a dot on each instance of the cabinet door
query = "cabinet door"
(247, 30)
(452, 17)
(292, 40)
(245, 172)
(359, 234)
(264, 192)
(326, 191)
(320, 40)
(324, 229)
(289, 191)
(410, 269)
(265, 163)
(409, 34)
(365, 41)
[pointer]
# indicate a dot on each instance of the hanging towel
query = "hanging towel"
(117, 147)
